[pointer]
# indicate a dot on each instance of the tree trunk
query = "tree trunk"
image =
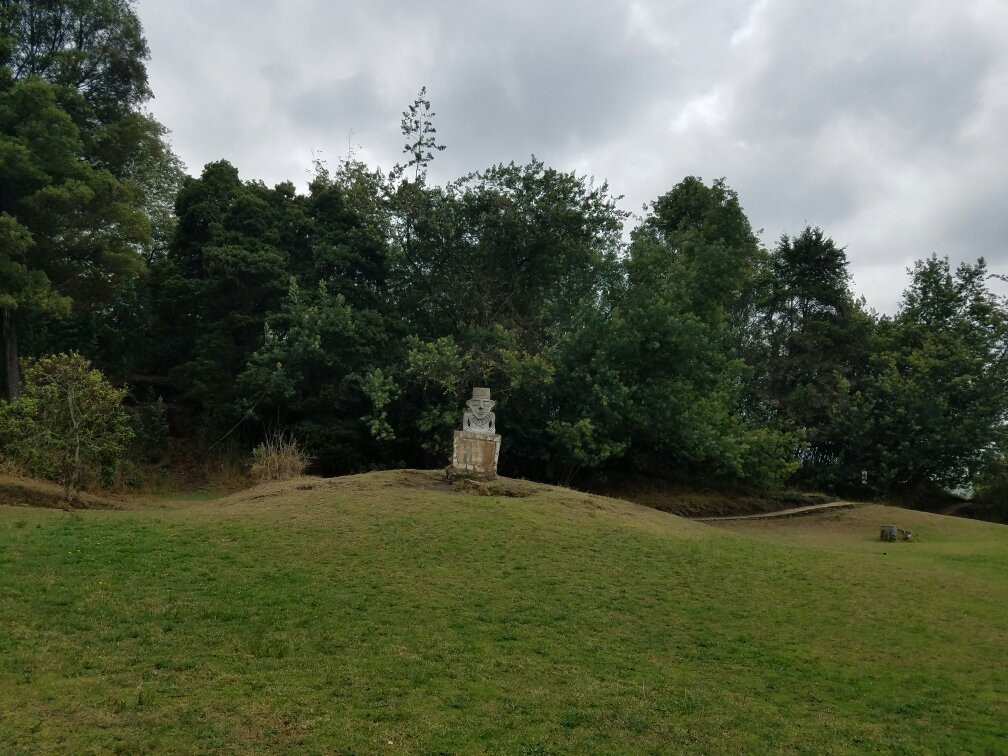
(11, 355)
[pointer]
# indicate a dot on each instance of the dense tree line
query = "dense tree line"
(358, 315)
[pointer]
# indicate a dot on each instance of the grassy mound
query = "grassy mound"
(390, 612)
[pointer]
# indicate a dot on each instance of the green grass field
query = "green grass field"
(389, 613)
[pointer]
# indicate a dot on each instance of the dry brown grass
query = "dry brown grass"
(13, 468)
(279, 457)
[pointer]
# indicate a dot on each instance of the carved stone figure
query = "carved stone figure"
(478, 416)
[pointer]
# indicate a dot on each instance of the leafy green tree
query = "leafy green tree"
(537, 242)
(991, 484)
(513, 245)
(95, 47)
(499, 266)
(228, 266)
(711, 238)
(674, 348)
(818, 340)
(273, 306)
(71, 230)
(322, 371)
(931, 408)
(349, 235)
(69, 423)
(92, 55)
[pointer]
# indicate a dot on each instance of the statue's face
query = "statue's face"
(481, 407)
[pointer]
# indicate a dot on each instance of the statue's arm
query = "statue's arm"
(493, 423)
(466, 419)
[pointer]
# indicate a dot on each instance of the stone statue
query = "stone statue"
(476, 448)
(478, 417)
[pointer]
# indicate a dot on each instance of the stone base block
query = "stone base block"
(474, 454)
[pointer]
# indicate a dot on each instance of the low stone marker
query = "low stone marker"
(892, 533)
(476, 447)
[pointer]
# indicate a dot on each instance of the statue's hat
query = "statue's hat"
(480, 393)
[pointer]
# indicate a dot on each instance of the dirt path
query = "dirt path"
(782, 512)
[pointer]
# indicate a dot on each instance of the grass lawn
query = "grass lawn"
(387, 612)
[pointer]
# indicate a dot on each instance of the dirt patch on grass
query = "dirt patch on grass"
(28, 492)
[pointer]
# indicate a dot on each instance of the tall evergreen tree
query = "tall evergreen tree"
(818, 337)
(228, 266)
(70, 230)
(91, 54)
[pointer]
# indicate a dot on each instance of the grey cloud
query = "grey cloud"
(544, 83)
(978, 228)
(348, 104)
(928, 90)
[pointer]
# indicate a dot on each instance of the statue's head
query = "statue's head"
(481, 403)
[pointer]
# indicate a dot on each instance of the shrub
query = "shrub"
(69, 424)
(279, 457)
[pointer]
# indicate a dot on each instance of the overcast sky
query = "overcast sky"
(883, 122)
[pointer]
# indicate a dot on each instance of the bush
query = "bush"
(69, 424)
(279, 457)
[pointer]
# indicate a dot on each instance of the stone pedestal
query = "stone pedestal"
(475, 455)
